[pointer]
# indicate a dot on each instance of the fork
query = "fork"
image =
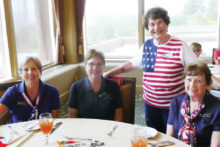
(113, 129)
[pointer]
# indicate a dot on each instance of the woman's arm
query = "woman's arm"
(126, 67)
(55, 113)
(118, 114)
(170, 130)
(3, 110)
(215, 139)
(73, 113)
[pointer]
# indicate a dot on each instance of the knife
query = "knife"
(56, 126)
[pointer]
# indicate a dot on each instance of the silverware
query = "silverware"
(56, 126)
(32, 126)
(161, 144)
(113, 129)
(94, 143)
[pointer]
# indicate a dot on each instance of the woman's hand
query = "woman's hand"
(215, 139)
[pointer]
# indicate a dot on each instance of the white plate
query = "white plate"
(151, 132)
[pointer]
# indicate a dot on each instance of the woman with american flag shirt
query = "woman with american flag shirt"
(162, 59)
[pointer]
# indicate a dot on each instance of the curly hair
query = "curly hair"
(155, 13)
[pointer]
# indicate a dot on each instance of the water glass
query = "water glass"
(139, 138)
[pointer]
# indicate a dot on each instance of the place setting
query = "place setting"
(18, 135)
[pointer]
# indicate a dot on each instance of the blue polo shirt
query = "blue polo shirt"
(99, 105)
(206, 122)
(19, 108)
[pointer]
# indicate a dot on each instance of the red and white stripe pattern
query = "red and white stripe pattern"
(188, 132)
(167, 79)
(30, 103)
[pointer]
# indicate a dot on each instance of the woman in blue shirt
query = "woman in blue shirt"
(95, 96)
(194, 117)
(25, 101)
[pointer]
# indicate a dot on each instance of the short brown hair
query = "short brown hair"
(156, 13)
(198, 69)
(94, 53)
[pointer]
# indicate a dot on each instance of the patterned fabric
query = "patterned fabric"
(188, 132)
(163, 72)
(34, 113)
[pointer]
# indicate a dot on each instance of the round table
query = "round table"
(94, 129)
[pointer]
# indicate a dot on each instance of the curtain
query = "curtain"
(80, 9)
(59, 33)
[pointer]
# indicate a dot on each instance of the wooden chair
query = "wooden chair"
(128, 90)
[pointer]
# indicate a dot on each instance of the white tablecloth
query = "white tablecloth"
(84, 128)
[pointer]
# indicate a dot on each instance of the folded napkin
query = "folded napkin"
(2, 144)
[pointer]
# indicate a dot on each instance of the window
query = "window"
(192, 21)
(4, 58)
(112, 27)
(32, 27)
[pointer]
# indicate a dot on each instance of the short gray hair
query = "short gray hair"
(27, 59)
(94, 53)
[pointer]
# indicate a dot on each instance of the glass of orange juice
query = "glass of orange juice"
(46, 125)
(139, 138)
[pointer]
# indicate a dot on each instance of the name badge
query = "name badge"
(22, 103)
(102, 94)
(206, 115)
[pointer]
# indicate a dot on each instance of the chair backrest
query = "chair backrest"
(3, 88)
(128, 90)
(215, 54)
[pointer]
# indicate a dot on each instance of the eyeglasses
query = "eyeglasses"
(198, 50)
(92, 64)
(29, 69)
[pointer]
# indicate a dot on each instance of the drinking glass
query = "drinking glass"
(46, 125)
(139, 138)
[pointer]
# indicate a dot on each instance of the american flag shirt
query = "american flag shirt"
(163, 72)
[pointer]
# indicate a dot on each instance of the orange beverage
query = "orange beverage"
(46, 126)
(139, 141)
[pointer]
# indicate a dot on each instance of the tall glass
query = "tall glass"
(46, 125)
(139, 138)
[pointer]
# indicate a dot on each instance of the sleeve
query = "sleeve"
(56, 99)
(187, 55)
(137, 58)
(217, 122)
(118, 101)
(72, 102)
(171, 112)
(8, 98)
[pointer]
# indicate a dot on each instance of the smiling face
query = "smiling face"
(196, 86)
(30, 73)
(94, 68)
(157, 28)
